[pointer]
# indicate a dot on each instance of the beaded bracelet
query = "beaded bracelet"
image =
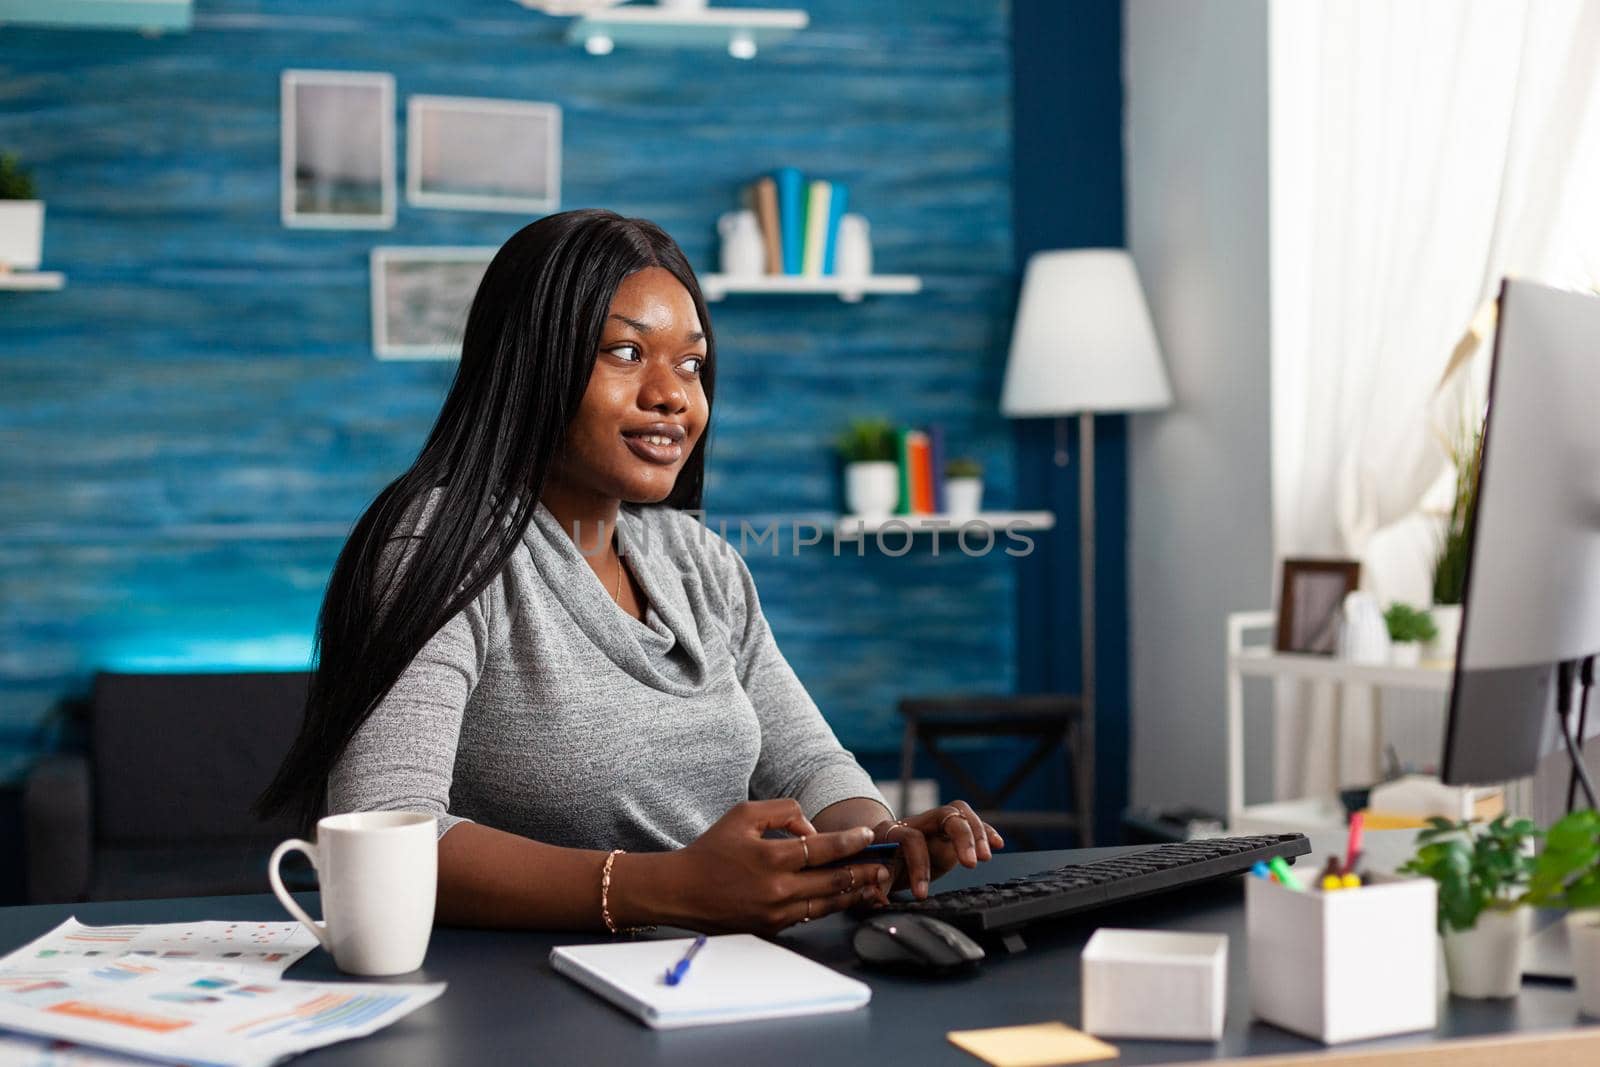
(605, 890)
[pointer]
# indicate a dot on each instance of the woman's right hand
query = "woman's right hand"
(732, 879)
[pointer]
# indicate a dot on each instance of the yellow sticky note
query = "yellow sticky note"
(1039, 1045)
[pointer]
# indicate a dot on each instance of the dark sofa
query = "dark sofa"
(159, 805)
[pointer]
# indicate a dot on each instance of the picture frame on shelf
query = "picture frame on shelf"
(475, 154)
(337, 154)
(420, 299)
(1310, 603)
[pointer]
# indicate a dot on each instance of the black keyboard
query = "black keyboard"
(1003, 906)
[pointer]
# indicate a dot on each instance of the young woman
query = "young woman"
(527, 637)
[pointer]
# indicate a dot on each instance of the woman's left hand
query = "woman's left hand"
(935, 841)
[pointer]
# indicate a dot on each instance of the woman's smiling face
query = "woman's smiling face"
(645, 406)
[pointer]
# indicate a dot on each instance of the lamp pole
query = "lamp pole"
(1086, 549)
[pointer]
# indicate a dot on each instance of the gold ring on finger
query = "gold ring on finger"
(805, 850)
(808, 911)
(852, 884)
(947, 818)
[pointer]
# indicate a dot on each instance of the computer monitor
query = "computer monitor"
(1532, 593)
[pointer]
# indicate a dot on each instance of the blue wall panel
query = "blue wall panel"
(191, 425)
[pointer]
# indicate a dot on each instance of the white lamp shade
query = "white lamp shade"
(1083, 339)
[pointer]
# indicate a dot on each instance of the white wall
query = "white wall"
(1201, 523)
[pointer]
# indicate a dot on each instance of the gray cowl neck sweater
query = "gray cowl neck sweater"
(545, 710)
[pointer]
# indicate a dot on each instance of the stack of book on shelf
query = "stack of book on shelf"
(921, 459)
(799, 221)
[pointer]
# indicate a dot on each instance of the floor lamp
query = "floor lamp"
(1083, 343)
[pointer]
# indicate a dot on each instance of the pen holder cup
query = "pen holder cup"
(1157, 985)
(1344, 965)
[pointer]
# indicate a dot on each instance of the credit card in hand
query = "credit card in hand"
(885, 854)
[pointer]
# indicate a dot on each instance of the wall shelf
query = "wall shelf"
(32, 281)
(147, 16)
(850, 527)
(850, 290)
(742, 31)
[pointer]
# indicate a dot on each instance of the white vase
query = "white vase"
(1405, 653)
(21, 234)
(1583, 934)
(963, 497)
(872, 488)
(743, 253)
(1363, 635)
(1447, 617)
(852, 256)
(1485, 962)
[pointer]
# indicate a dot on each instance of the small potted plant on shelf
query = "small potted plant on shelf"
(21, 218)
(1450, 562)
(1566, 876)
(871, 473)
(1409, 628)
(1483, 873)
(963, 487)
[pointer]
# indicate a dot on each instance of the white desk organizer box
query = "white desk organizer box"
(1155, 984)
(1345, 965)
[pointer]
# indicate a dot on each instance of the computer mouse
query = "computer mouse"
(906, 941)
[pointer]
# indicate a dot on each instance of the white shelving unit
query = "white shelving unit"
(850, 527)
(742, 31)
(32, 281)
(850, 290)
(1310, 813)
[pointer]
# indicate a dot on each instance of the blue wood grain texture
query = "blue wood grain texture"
(191, 425)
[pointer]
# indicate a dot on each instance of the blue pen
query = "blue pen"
(1261, 870)
(676, 972)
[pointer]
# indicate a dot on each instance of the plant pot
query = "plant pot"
(21, 234)
(1583, 934)
(1447, 617)
(963, 497)
(1405, 653)
(871, 489)
(1485, 962)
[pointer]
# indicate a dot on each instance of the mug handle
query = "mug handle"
(292, 845)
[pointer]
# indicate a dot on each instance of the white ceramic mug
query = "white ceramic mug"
(378, 872)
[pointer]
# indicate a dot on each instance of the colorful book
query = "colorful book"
(791, 216)
(936, 465)
(919, 473)
(836, 207)
(903, 505)
(766, 197)
(818, 193)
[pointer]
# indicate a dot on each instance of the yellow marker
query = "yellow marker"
(1331, 882)
(1350, 880)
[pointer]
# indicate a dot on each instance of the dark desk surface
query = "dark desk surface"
(505, 1004)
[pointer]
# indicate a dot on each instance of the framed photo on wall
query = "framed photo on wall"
(483, 155)
(420, 299)
(337, 165)
(1310, 604)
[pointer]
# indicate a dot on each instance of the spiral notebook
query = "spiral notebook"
(734, 978)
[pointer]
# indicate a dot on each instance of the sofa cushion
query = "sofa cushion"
(179, 758)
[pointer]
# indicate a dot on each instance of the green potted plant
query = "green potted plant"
(871, 473)
(21, 218)
(1567, 876)
(963, 487)
(1450, 560)
(1409, 629)
(1483, 874)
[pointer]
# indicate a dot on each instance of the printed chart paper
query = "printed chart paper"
(261, 950)
(178, 1011)
(17, 1050)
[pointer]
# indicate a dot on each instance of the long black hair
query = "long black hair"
(529, 346)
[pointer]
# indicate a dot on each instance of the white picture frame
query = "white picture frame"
(476, 154)
(337, 154)
(420, 299)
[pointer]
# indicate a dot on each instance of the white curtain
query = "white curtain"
(1419, 152)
